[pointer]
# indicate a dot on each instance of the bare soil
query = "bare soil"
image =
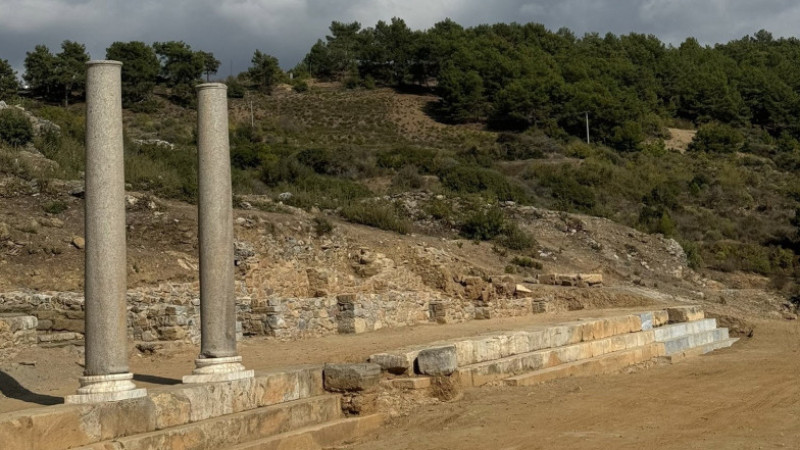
(744, 397)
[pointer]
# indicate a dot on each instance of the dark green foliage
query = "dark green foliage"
(489, 224)
(15, 128)
(8, 80)
(473, 180)
(529, 263)
(57, 77)
(140, 68)
(264, 72)
(180, 65)
(210, 64)
(384, 217)
(235, 88)
(716, 138)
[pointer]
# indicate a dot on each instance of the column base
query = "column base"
(106, 388)
(213, 370)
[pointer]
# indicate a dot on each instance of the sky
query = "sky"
(286, 29)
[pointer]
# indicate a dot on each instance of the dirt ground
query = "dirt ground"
(744, 397)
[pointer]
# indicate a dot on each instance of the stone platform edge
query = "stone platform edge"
(66, 426)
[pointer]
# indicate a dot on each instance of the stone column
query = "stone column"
(106, 376)
(218, 360)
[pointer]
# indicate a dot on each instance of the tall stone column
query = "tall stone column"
(218, 360)
(106, 376)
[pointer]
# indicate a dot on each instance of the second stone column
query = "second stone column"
(218, 360)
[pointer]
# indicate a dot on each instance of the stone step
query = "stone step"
(495, 346)
(317, 437)
(490, 371)
(685, 328)
(233, 429)
(689, 341)
(66, 426)
(701, 350)
(598, 365)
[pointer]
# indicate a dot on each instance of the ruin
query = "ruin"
(106, 376)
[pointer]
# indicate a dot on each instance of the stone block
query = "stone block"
(660, 318)
(74, 325)
(351, 377)
(396, 363)
(437, 361)
(685, 314)
(591, 279)
(411, 383)
(538, 340)
(646, 320)
(486, 349)
(465, 352)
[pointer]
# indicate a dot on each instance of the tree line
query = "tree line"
(60, 77)
(518, 76)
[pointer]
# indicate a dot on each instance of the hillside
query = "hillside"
(373, 160)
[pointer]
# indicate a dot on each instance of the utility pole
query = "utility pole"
(587, 126)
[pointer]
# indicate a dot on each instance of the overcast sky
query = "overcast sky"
(234, 29)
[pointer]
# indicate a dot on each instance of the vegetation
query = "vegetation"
(15, 128)
(505, 123)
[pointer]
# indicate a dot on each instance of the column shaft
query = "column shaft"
(105, 277)
(217, 302)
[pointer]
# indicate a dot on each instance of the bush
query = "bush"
(716, 138)
(378, 216)
(407, 178)
(484, 225)
(15, 128)
(474, 180)
(55, 207)
(322, 226)
(515, 238)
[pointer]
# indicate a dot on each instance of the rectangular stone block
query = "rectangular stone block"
(399, 363)
(538, 340)
(411, 383)
(464, 352)
(660, 318)
(685, 313)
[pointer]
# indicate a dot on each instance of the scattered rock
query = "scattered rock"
(79, 242)
(521, 289)
(5, 231)
(351, 377)
(437, 361)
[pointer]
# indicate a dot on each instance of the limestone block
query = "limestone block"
(685, 313)
(74, 325)
(486, 349)
(538, 340)
(52, 428)
(646, 320)
(600, 347)
(437, 361)
(411, 383)
(566, 334)
(464, 352)
(351, 377)
(397, 363)
(660, 318)
(591, 279)
(518, 343)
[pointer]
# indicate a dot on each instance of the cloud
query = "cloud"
(234, 29)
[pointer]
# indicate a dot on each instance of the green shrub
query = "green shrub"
(384, 217)
(474, 180)
(15, 128)
(523, 261)
(407, 178)
(484, 225)
(515, 238)
(716, 138)
(55, 207)
(300, 86)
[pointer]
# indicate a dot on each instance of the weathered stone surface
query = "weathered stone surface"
(397, 363)
(437, 361)
(685, 313)
(351, 377)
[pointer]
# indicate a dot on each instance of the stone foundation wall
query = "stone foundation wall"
(172, 313)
